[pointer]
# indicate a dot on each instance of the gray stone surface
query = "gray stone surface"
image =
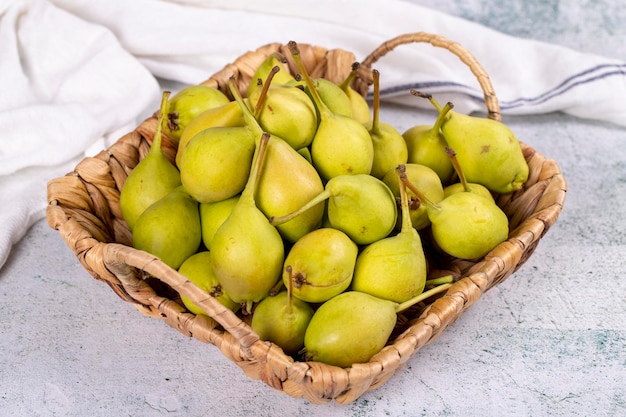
(550, 340)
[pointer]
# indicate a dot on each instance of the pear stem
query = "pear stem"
(426, 294)
(249, 190)
(295, 52)
(346, 83)
(457, 167)
(289, 270)
(264, 89)
(278, 220)
(407, 224)
(156, 141)
(446, 279)
(442, 116)
(248, 117)
(376, 104)
(404, 179)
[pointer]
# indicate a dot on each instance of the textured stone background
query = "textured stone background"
(548, 341)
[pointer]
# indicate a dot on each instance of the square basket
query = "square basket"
(83, 206)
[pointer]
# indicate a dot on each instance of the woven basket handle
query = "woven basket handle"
(365, 78)
(120, 259)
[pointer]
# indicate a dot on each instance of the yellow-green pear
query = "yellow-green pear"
(359, 105)
(275, 59)
(353, 326)
(362, 206)
(465, 225)
(426, 144)
(212, 215)
(286, 182)
(487, 150)
(393, 268)
(226, 115)
(216, 163)
(341, 144)
(170, 228)
(320, 265)
(151, 179)
(285, 111)
(282, 319)
(197, 269)
(390, 149)
(189, 102)
(247, 252)
(427, 181)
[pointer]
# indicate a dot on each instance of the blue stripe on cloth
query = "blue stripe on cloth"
(584, 77)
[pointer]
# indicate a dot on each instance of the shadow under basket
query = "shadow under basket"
(83, 206)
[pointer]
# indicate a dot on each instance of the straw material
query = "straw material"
(84, 208)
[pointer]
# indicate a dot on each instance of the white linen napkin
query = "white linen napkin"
(77, 74)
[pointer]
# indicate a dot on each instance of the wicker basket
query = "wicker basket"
(83, 206)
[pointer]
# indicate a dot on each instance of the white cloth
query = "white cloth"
(77, 74)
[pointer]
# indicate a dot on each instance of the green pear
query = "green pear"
(189, 102)
(390, 149)
(282, 319)
(465, 225)
(353, 326)
(393, 268)
(341, 144)
(247, 252)
(427, 181)
(226, 115)
(320, 265)
(463, 185)
(151, 179)
(488, 151)
(285, 111)
(216, 163)
(361, 206)
(332, 96)
(212, 215)
(170, 228)
(286, 182)
(273, 60)
(197, 269)
(358, 103)
(426, 145)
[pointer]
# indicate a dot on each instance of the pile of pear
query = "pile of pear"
(294, 206)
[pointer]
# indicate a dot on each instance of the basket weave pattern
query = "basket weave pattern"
(83, 206)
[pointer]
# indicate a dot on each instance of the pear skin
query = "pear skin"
(152, 178)
(247, 252)
(349, 328)
(216, 163)
(227, 115)
(170, 228)
(320, 265)
(393, 268)
(390, 149)
(189, 102)
(197, 269)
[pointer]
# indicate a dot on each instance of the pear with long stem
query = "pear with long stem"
(464, 225)
(426, 144)
(287, 181)
(463, 185)
(390, 148)
(341, 145)
(487, 150)
(152, 178)
(393, 268)
(360, 107)
(353, 326)
(247, 252)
